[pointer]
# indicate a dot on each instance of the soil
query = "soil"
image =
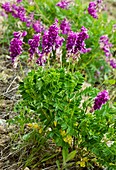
(9, 79)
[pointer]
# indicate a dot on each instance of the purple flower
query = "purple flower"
(34, 44)
(97, 74)
(29, 19)
(59, 41)
(71, 42)
(101, 99)
(19, 12)
(105, 45)
(51, 39)
(38, 27)
(64, 4)
(102, 67)
(92, 9)
(99, 1)
(113, 63)
(114, 28)
(75, 42)
(95, 7)
(16, 45)
(41, 60)
(19, 34)
(15, 48)
(7, 7)
(3, 14)
(65, 26)
(19, 1)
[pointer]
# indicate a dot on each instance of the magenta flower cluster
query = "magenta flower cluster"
(16, 45)
(64, 4)
(101, 99)
(76, 42)
(42, 44)
(18, 11)
(50, 41)
(105, 45)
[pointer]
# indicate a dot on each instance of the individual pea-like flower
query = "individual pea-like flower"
(97, 74)
(34, 44)
(105, 45)
(113, 63)
(65, 26)
(3, 14)
(114, 28)
(37, 26)
(59, 41)
(16, 45)
(64, 4)
(29, 19)
(41, 60)
(19, 34)
(75, 42)
(19, 1)
(101, 99)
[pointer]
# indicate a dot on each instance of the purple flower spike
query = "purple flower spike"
(64, 4)
(71, 42)
(34, 44)
(75, 42)
(65, 26)
(51, 39)
(16, 44)
(92, 9)
(101, 99)
(15, 48)
(95, 7)
(105, 45)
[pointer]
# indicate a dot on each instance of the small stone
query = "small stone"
(2, 129)
(26, 168)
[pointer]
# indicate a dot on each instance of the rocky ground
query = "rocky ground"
(9, 78)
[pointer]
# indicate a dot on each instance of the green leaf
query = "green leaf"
(71, 156)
